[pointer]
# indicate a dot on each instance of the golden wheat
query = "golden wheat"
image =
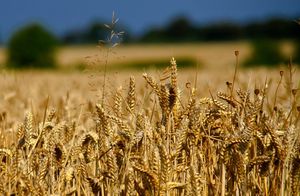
(166, 141)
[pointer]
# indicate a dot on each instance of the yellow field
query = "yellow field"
(166, 132)
(210, 55)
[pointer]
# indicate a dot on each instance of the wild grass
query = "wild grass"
(160, 138)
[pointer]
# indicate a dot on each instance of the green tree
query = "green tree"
(32, 47)
(265, 52)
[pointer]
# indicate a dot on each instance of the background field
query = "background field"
(212, 55)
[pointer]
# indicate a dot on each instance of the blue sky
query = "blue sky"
(138, 15)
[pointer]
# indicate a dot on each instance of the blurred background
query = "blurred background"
(67, 34)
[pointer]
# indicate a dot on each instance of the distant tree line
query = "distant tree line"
(95, 32)
(183, 30)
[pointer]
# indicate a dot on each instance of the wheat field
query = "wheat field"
(163, 132)
(211, 55)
